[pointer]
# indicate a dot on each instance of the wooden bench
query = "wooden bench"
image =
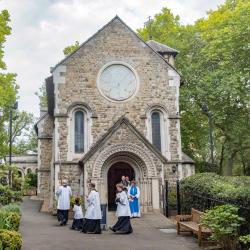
(191, 223)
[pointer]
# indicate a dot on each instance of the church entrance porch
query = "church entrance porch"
(115, 172)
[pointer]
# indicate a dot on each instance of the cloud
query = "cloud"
(41, 29)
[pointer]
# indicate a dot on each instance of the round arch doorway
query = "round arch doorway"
(115, 172)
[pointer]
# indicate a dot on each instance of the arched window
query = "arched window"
(79, 132)
(156, 129)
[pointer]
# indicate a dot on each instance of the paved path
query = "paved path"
(41, 231)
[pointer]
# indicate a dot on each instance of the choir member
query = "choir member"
(123, 213)
(63, 204)
(92, 222)
(78, 215)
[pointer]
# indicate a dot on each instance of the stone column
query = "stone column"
(155, 193)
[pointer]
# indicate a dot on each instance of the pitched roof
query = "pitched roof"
(112, 20)
(186, 159)
(162, 48)
(123, 120)
(39, 120)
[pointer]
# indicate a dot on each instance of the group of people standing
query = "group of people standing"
(127, 200)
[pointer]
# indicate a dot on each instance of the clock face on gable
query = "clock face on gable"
(117, 82)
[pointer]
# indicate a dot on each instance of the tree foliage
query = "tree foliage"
(214, 63)
(8, 86)
(70, 49)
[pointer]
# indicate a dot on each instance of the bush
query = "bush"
(12, 207)
(9, 220)
(7, 195)
(207, 190)
(245, 240)
(224, 223)
(72, 200)
(31, 179)
(10, 240)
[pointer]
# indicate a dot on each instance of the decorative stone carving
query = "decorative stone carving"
(149, 166)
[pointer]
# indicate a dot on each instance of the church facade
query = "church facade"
(113, 109)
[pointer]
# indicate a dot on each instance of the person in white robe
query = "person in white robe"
(93, 216)
(123, 213)
(63, 202)
(78, 215)
(134, 200)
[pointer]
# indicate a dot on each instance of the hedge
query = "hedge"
(206, 190)
(10, 240)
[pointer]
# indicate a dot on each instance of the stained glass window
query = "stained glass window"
(79, 132)
(156, 129)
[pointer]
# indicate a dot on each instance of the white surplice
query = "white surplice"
(78, 214)
(63, 195)
(93, 206)
(123, 208)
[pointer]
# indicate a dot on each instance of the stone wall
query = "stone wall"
(78, 83)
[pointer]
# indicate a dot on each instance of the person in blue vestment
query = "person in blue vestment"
(134, 203)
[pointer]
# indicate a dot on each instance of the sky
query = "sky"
(41, 29)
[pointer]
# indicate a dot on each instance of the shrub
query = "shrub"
(7, 195)
(9, 220)
(10, 240)
(207, 190)
(72, 200)
(245, 240)
(12, 207)
(224, 223)
(31, 179)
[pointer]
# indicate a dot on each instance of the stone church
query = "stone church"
(113, 110)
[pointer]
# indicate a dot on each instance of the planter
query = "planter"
(71, 214)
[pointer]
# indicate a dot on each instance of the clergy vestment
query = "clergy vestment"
(63, 204)
(134, 203)
(93, 216)
(123, 213)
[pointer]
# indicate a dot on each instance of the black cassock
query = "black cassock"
(62, 216)
(123, 225)
(91, 226)
(123, 213)
(77, 224)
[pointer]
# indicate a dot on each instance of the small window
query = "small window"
(79, 132)
(156, 129)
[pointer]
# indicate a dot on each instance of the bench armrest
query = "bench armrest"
(183, 217)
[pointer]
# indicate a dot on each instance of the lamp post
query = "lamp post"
(14, 107)
(205, 109)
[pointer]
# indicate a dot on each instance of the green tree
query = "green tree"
(214, 65)
(8, 86)
(42, 95)
(70, 49)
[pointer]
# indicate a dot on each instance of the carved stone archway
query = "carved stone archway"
(141, 162)
(135, 152)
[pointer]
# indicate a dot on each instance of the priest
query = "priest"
(123, 225)
(134, 202)
(93, 216)
(63, 202)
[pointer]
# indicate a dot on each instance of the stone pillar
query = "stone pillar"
(155, 193)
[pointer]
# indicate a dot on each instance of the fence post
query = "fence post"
(166, 196)
(178, 197)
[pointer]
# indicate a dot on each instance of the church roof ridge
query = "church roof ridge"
(122, 120)
(96, 33)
